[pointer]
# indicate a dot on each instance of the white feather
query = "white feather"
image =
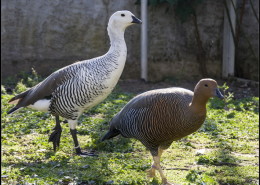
(41, 105)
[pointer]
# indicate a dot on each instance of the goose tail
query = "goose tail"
(16, 100)
(13, 110)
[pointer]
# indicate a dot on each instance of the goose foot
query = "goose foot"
(150, 173)
(168, 183)
(55, 135)
(165, 182)
(85, 154)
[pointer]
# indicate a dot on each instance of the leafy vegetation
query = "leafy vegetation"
(224, 151)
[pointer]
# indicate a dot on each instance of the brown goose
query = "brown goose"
(159, 117)
(82, 85)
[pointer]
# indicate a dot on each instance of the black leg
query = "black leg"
(76, 143)
(55, 135)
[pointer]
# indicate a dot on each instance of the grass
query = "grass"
(224, 151)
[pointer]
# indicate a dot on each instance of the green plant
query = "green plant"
(200, 178)
(27, 79)
(228, 96)
(229, 140)
(20, 87)
(3, 90)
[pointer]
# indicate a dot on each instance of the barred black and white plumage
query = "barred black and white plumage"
(82, 85)
(159, 117)
(75, 95)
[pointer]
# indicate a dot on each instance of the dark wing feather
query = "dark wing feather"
(139, 102)
(41, 90)
(19, 96)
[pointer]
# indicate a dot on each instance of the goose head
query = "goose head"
(207, 88)
(120, 20)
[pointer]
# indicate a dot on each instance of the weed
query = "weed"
(3, 90)
(228, 137)
(200, 178)
(20, 87)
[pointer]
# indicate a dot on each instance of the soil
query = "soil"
(240, 89)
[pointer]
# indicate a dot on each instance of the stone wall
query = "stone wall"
(247, 55)
(173, 47)
(48, 35)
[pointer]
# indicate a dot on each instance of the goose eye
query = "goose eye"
(206, 85)
(122, 15)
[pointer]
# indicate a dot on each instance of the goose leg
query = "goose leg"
(151, 171)
(73, 131)
(76, 143)
(157, 166)
(55, 135)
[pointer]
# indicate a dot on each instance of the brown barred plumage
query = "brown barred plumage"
(159, 117)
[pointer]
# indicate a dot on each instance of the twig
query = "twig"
(201, 55)
(252, 6)
(187, 169)
(240, 20)
(252, 82)
(226, 163)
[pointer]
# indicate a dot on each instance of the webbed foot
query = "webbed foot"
(150, 172)
(55, 136)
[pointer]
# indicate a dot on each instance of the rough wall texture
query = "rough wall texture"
(173, 48)
(247, 55)
(48, 35)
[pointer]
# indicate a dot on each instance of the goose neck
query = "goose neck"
(198, 104)
(116, 36)
(118, 46)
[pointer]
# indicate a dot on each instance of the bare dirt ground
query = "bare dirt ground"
(240, 89)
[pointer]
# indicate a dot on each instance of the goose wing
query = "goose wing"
(43, 90)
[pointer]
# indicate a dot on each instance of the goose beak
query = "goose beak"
(219, 94)
(136, 20)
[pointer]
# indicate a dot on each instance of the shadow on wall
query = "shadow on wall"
(49, 35)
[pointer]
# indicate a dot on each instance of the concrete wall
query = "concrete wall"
(173, 47)
(50, 34)
(247, 57)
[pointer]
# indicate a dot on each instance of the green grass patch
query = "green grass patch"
(224, 151)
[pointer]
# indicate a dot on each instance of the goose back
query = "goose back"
(92, 84)
(82, 85)
(158, 117)
(78, 86)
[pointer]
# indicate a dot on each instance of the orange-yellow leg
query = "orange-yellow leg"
(151, 171)
(156, 166)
